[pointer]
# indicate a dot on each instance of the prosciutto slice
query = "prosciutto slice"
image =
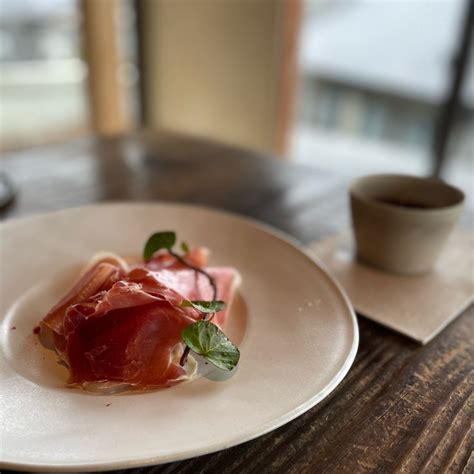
(198, 256)
(100, 275)
(123, 326)
(127, 335)
(195, 286)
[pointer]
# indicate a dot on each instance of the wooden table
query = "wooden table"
(402, 407)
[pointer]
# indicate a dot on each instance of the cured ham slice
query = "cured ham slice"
(195, 286)
(100, 275)
(127, 335)
(197, 256)
(122, 326)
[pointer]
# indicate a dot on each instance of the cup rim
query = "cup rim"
(354, 192)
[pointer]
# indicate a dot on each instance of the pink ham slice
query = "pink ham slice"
(197, 256)
(124, 327)
(101, 276)
(126, 335)
(195, 286)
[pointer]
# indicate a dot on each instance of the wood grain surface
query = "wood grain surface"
(402, 408)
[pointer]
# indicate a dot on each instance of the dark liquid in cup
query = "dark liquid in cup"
(406, 204)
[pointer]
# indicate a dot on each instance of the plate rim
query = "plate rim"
(288, 240)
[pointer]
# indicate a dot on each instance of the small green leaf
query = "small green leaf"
(207, 340)
(184, 247)
(204, 306)
(158, 241)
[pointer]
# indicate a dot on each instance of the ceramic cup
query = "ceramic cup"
(401, 223)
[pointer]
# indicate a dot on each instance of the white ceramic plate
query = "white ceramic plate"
(296, 330)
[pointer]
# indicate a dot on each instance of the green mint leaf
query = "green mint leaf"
(184, 247)
(204, 306)
(158, 241)
(207, 340)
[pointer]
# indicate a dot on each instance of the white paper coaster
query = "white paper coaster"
(417, 306)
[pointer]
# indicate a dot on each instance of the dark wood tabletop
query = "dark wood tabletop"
(402, 407)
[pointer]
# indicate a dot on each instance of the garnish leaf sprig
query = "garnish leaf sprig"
(203, 337)
(158, 241)
(207, 340)
(209, 307)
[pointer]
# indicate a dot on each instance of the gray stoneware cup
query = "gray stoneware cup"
(401, 223)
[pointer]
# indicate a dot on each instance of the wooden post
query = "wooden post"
(291, 24)
(102, 56)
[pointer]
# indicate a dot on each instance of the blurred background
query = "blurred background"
(358, 86)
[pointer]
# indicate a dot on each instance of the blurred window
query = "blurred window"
(373, 77)
(43, 93)
(42, 74)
